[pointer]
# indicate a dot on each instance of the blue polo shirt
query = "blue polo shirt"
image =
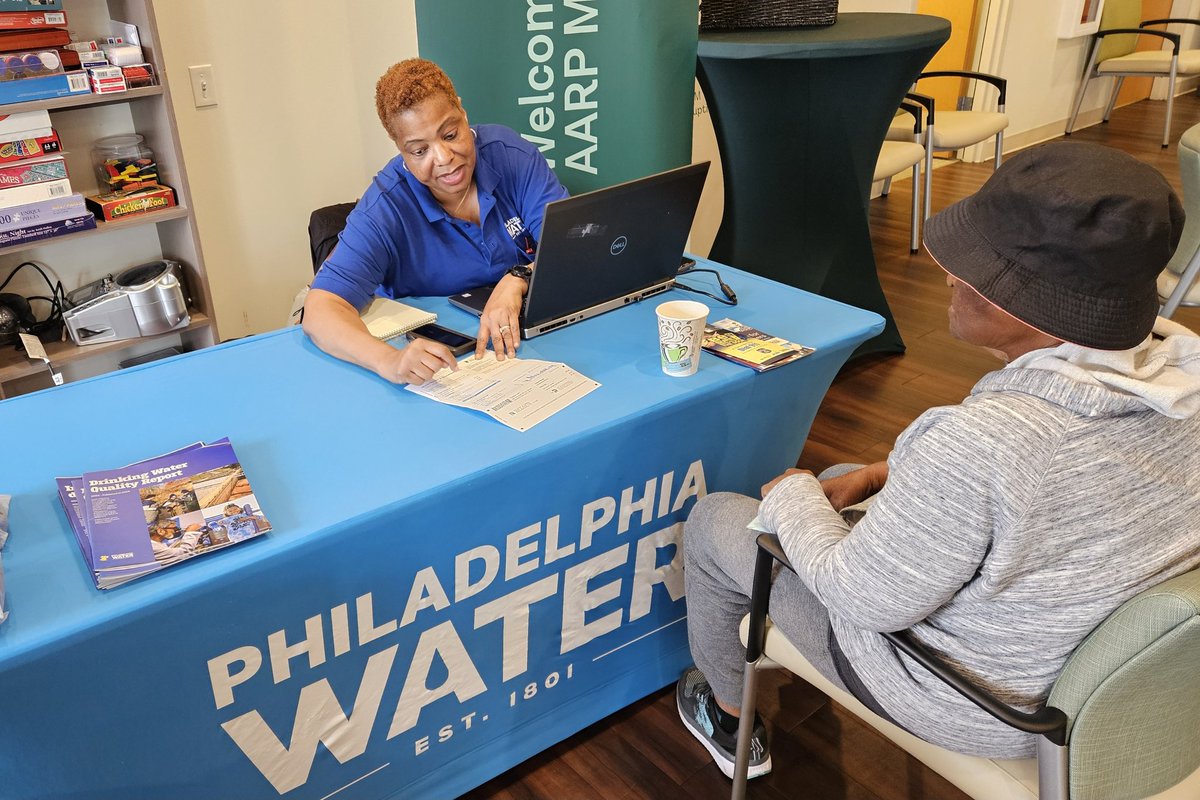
(399, 242)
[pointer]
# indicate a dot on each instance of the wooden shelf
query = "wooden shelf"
(149, 217)
(81, 100)
(168, 233)
(14, 364)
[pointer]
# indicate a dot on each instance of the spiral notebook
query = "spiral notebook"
(387, 318)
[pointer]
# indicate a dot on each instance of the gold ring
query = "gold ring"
(504, 329)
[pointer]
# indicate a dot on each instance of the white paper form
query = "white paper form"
(518, 392)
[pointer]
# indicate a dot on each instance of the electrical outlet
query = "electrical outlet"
(204, 85)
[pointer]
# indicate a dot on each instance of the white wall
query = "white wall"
(295, 129)
(1042, 70)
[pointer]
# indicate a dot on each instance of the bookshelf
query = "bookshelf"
(79, 258)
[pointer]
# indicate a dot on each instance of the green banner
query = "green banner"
(604, 88)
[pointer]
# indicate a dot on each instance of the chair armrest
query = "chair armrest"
(1047, 721)
(1170, 20)
(995, 80)
(915, 111)
(925, 101)
(771, 544)
(1173, 38)
(769, 551)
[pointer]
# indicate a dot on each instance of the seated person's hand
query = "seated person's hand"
(844, 490)
(500, 322)
(767, 487)
(854, 487)
(417, 361)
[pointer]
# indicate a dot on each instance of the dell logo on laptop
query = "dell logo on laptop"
(618, 245)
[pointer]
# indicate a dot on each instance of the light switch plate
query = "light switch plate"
(204, 85)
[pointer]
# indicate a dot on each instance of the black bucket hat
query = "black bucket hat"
(1067, 237)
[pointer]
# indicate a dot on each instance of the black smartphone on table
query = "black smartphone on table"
(458, 343)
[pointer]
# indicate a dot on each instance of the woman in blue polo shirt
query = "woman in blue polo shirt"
(458, 208)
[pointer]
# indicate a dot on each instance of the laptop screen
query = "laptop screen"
(612, 243)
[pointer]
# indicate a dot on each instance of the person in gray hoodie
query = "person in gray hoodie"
(1002, 530)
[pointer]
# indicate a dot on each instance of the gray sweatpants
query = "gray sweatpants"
(719, 553)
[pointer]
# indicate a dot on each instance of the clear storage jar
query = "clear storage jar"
(124, 163)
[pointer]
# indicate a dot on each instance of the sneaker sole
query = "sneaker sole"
(719, 756)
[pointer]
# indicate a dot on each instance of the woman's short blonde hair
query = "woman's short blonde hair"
(408, 83)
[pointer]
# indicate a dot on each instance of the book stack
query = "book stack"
(145, 517)
(36, 201)
(35, 63)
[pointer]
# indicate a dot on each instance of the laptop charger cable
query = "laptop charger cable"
(730, 298)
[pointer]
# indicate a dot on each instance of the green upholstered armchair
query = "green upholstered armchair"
(1122, 721)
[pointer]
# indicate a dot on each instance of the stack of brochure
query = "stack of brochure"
(750, 347)
(147, 516)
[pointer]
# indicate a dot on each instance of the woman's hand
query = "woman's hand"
(335, 327)
(500, 322)
(417, 362)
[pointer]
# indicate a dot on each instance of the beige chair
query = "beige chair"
(1112, 53)
(1122, 721)
(896, 157)
(1177, 284)
(959, 129)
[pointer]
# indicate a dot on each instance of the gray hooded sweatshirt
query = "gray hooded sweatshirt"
(1009, 527)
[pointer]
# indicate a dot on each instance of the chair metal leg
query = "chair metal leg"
(1083, 83)
(1112, 98)
(741, 763)
(999, 142)
(914, 209)
(928, 170)
(1075, 106)
(1052, 764)
(887, 187)
(1186, 279)
(1170, 100)
(756, 636)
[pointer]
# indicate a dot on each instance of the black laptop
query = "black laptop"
(606, 249)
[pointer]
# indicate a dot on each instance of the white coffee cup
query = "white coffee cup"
(680, 333)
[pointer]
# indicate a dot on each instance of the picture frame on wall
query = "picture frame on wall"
(1079, 18)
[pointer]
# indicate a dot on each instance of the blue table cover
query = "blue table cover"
(441, 597)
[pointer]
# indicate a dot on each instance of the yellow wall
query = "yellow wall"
(957, 53)
(294, 129)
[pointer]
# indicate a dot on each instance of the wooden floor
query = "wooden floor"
(819, 750)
